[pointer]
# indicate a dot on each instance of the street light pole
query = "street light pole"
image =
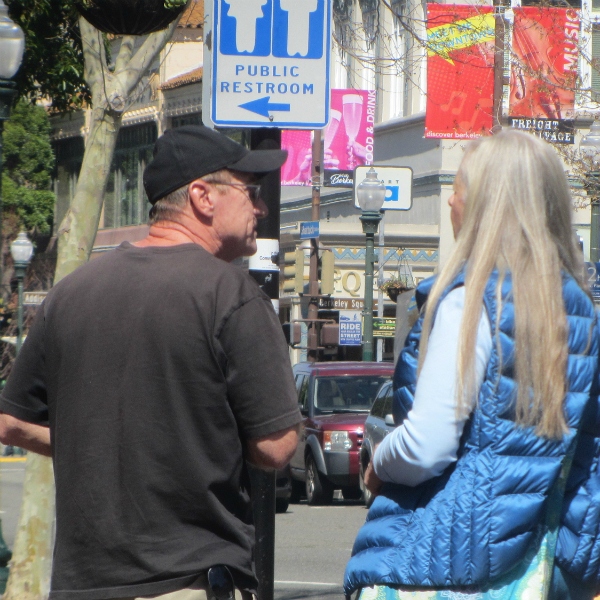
(20, 273)
(590, 147)
(12, 44)
(371, 196)
(21, 250)
(313, 277)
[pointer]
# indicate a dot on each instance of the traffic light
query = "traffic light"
(292, 333)
(327, 268)
(293, 272)
(330, 334)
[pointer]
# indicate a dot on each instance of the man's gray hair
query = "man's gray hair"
(171, 206)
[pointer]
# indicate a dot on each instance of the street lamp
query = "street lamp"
(590, 147)
(21, 250)
(370, 193)
(12, 44)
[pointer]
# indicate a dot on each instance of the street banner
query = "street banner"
(460, 71)
(347, 140)
(544, 69)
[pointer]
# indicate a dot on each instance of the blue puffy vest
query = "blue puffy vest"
(477, 520)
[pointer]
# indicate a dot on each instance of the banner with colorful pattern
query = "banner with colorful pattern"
(460, 71)
(544, 63)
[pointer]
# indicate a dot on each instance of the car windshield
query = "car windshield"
(346, 393)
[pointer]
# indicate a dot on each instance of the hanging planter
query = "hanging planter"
(130, 17)
(394, 287)
(403, 282)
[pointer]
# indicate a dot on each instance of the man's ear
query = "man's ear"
(200, 197)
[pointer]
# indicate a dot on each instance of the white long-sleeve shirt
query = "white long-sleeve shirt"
(428, 439)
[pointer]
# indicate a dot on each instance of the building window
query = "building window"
(400, 52)
(125, 201)
(345, 38)
(69, 155)
(595, 66)
(370, 19)
(241, 136)
(192, 119)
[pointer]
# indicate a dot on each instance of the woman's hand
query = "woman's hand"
(372, 482)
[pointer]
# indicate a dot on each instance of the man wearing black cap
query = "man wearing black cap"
(158, 368)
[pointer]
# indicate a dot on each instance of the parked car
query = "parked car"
(335, 399)
(378, 424)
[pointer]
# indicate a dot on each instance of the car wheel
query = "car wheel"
(318, 490)
(298, 490)
(352, 493)
(366, 494)
(281, 505)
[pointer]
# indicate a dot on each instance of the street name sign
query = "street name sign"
(33, 298)
(397, 181)
(309, 230)
(333, 303)
(269, 63)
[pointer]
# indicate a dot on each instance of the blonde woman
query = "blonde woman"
(495, 391)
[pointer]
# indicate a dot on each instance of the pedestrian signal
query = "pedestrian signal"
(293, 272)
(327, 269)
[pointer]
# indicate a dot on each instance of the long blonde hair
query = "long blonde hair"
(517, 219)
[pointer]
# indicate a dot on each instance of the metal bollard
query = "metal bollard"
(263, 508)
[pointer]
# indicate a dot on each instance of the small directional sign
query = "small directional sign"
(269, 63)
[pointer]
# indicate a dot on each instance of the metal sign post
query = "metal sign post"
(264, 267)
(267, 63)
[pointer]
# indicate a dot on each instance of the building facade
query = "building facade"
(376, 45)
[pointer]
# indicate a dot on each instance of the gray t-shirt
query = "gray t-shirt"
(152, 367)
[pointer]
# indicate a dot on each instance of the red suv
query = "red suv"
(335, 399)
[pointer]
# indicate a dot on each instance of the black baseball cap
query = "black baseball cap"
(192, 151)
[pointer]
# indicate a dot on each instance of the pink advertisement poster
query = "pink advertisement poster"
(296, 169)
(347, 141)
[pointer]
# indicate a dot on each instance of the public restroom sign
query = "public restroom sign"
(269, 63)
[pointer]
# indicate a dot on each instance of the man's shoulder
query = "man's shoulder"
(186, 266)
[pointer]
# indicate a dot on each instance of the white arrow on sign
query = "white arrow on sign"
(268, 62)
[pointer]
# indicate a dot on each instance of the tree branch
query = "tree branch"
(144, 57)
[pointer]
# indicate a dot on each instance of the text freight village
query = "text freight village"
(267, 87)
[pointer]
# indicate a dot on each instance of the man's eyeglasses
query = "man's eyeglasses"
(252, 189)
